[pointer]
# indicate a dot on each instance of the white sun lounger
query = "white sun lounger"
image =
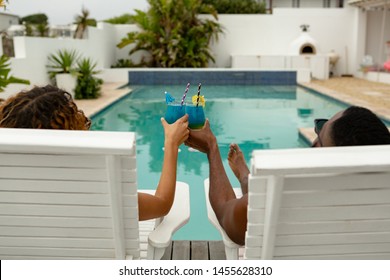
(325, 203)
(233, 251)
(73, 195)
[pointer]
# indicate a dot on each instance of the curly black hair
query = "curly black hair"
(359, 126)
(45, 107)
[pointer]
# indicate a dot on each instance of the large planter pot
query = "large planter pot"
(67, 82)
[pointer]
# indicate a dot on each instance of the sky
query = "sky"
(63, 11)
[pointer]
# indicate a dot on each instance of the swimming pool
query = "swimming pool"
(255, 117)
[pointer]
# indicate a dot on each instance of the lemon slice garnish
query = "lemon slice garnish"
(202, 101)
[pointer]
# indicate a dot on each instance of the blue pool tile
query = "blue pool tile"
(212, 77)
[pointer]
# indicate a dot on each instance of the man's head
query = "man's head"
(354, 126)
(42, 107)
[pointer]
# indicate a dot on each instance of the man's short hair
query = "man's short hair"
(359, 126)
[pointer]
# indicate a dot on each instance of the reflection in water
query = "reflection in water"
(305, 112)
(254, 117)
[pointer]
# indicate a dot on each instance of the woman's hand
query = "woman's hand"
(177, 132)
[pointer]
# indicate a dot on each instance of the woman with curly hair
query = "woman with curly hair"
(42, 107)
(52, 108)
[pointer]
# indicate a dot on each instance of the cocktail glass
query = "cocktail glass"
(196, 117)
(175, 110)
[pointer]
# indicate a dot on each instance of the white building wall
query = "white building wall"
(282, 3)
(360, 37)
(6, 20)
(303, 3)
(311, 4)
(376, 42)
(333, 29)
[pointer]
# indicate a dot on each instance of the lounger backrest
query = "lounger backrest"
(68, 195)
(329, 203)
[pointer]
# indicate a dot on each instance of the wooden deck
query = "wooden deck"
(195, 250)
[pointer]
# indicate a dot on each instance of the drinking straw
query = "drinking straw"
(185, 94)
(197, 99)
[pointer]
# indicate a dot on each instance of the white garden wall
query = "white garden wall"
(31, 53)
(333, 29)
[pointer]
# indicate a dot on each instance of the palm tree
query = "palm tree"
(29, 30)
(173, 35)
(83, 21)
(43, 29)
(5, 77)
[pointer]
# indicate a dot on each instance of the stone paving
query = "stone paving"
(110, 93)
(372, 95)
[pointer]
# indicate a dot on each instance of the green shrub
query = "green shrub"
(88, 87)
(124, 63)
(237, 6)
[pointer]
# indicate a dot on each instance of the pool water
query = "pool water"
(255, 117)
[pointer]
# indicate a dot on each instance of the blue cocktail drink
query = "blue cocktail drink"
(196, 117)
(174, 112)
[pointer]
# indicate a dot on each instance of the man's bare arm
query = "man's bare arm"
(230, 211)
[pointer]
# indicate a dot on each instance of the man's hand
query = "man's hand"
(202, 139)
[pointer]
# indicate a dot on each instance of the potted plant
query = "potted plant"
(62, 69)
(5, 78)
(88, 86)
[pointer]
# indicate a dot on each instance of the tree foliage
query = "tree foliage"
(237, 6)
(36, 25)
(35, 19)
(173, 34)
(123, 19)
